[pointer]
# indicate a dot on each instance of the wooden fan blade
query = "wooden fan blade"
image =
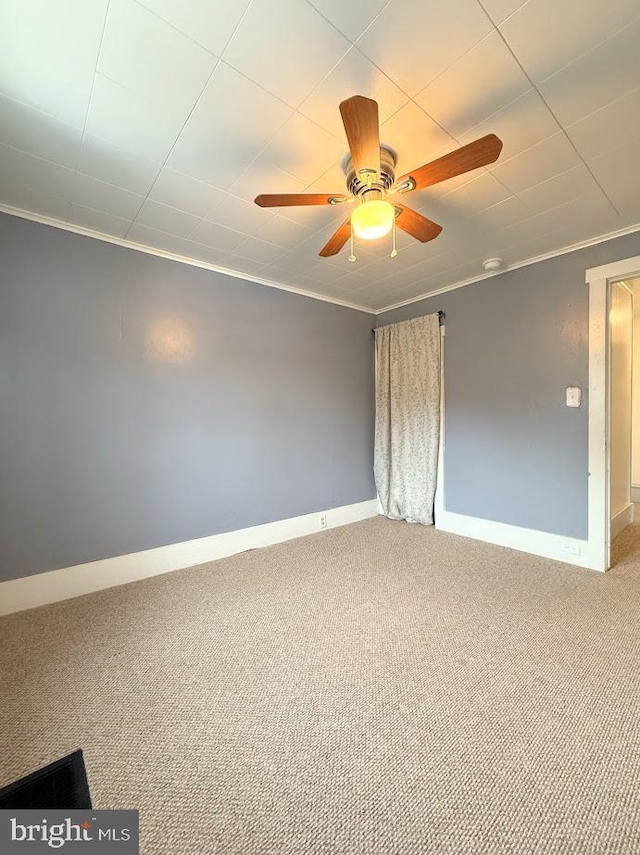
(337, 240)
(472, 156)
(283, 200)
(360, 120)
(416, 225)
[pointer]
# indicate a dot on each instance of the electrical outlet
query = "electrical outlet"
(571, 548)
(323, 520)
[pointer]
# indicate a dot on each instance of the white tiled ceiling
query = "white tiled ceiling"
(158, 121)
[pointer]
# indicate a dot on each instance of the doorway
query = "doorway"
(611, 403)
(621, 360)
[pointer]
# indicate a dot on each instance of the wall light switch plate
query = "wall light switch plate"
(574, 396)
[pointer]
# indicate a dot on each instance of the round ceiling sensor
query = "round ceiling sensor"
(492, 263)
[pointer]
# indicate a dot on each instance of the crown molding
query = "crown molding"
(258, 280)
(629, 230)
(171, 256)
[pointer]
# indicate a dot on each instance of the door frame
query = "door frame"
(599, 281)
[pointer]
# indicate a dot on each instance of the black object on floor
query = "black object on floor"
(62, 785)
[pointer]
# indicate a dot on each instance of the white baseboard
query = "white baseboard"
(567, 549)
(621, 520)
(54, 585)
(635, 492)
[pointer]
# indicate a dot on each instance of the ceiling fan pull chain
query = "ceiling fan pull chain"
(352, 257)
(394, 251)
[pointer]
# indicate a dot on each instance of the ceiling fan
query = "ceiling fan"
(371, 181)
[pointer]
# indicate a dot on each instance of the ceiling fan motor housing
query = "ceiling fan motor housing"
(379, 183)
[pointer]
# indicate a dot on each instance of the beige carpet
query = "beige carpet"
(380, 688)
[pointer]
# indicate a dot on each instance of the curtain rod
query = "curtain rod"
(441, 315)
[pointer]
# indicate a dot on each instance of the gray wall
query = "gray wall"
(514, 453)
(145, 402)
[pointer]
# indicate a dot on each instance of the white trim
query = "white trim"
(439, 499)
(626, 268)
(42, 588)
(598, 489)
(598, 279)
(533, 260)
(635, 492)
(172, 256)
(81, 230)
(621, 520)
(566, 549)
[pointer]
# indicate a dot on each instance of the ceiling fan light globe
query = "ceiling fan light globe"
(373, 220)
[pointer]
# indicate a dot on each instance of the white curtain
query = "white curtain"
(407, 418)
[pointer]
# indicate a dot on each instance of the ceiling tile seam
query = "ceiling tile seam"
(484, 170)
(98, 211)
(440, 73)
(518, 194)
(389, 277)
(243, 258)
(478, 172)
(498, 24)
(353, 47)
(173, 145)
(330, 169)
(273, 94)
(204, 219)
(123, 149)
(409, 101)
(44, 113)
(525, 151)
(318, 125)
(384, 74)
(582, 159)
(335, 27)
(595, 112)
(413, 267)
(176, 29)
(191, 232)
(553, 115)
(235, 29)
(195, 104)
(269, 140)
(461, 56)
(66, 169)
(497, 205)
(329, 72)
(594, 47)
(213, 208)
(534, 215)
(54, 196)
(565, 250)
(488, 119)
(93, 83)
(428, 115)
(371, 22)
(294, 112)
